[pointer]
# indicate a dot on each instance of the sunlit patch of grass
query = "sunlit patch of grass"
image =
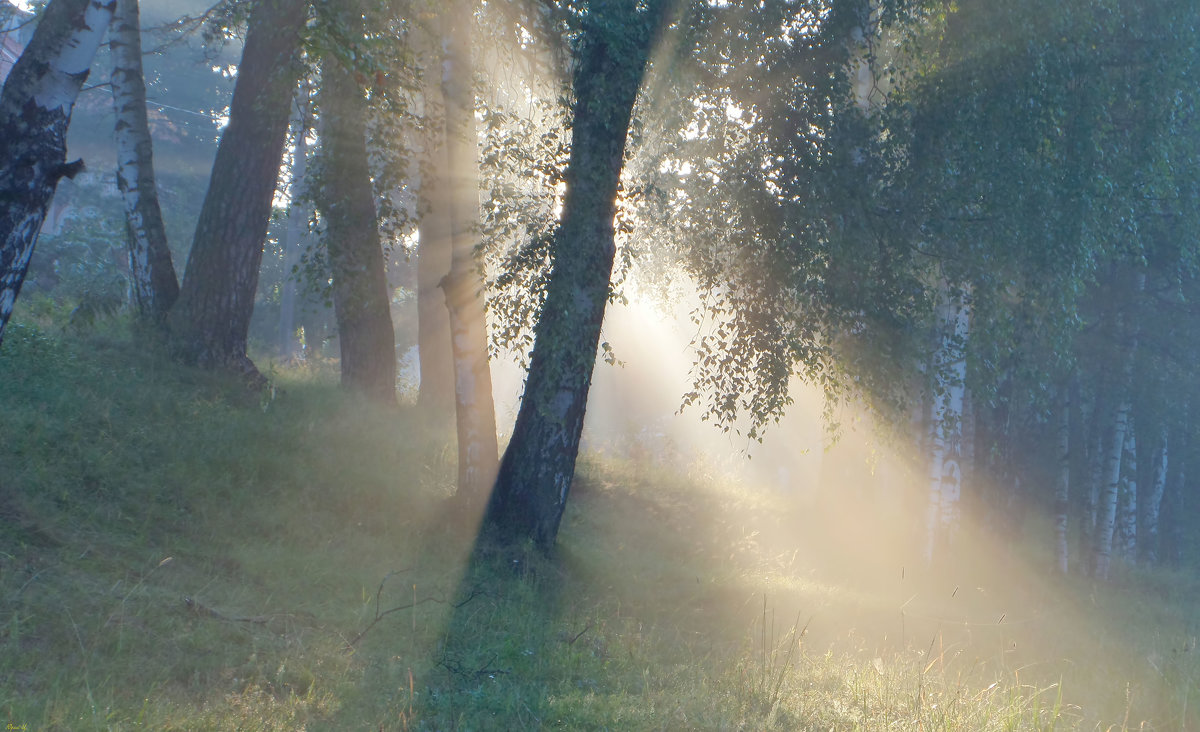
(180, 554)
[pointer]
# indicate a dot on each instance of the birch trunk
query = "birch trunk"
(475, 414)
(154, 285)
(1107, 508)
(539, 464)
(35, 110)
(1127, 508)
(360, 290)
(1154, 497)
(946, 422)
(1063, 483)
(211, 321)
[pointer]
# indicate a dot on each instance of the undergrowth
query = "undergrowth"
(180, 554)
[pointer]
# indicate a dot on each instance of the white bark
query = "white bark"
(946, 421)
(154, 283)
(35, 109)
(1107, 508)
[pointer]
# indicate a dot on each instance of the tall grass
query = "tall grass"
(178, 553)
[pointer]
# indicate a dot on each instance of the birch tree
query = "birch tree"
(537, 468)
(949, 374)
(35, 110)
(152, 273)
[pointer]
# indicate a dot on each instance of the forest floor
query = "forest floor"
(179, 554)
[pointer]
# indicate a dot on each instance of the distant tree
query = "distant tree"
(346, 202)
(35, 110)
(210, 322)
(154, 284)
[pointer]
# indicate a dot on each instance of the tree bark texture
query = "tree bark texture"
(154, 284)
(539, 464)
(211, 320)
(35, 110)
(347, 202)
(474, 407)
(436, 391)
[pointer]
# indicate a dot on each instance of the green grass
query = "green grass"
(180, 554)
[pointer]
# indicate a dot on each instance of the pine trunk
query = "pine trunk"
(211, 320)
(35, 110)
(1154, 497)
(539, 464)
(360, 289)
(463, 286)
(154, 284)
(946, 422)
(1063, 483)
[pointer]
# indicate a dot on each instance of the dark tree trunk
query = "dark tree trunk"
(539, 464)
(436, 395)
(475, 409)
(155, 287)
(210, 322)
(35, 109)
(347, 202)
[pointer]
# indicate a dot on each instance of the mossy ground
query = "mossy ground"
(178, 553)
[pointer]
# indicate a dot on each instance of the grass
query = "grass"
(178, 554)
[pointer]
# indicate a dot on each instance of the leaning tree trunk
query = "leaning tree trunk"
(436, 391)
(211, 320)
(154, 285)
(475, 410)
(946, 420)
(1063, 483)
(360, 290)
(35, 109)
(539, 464)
